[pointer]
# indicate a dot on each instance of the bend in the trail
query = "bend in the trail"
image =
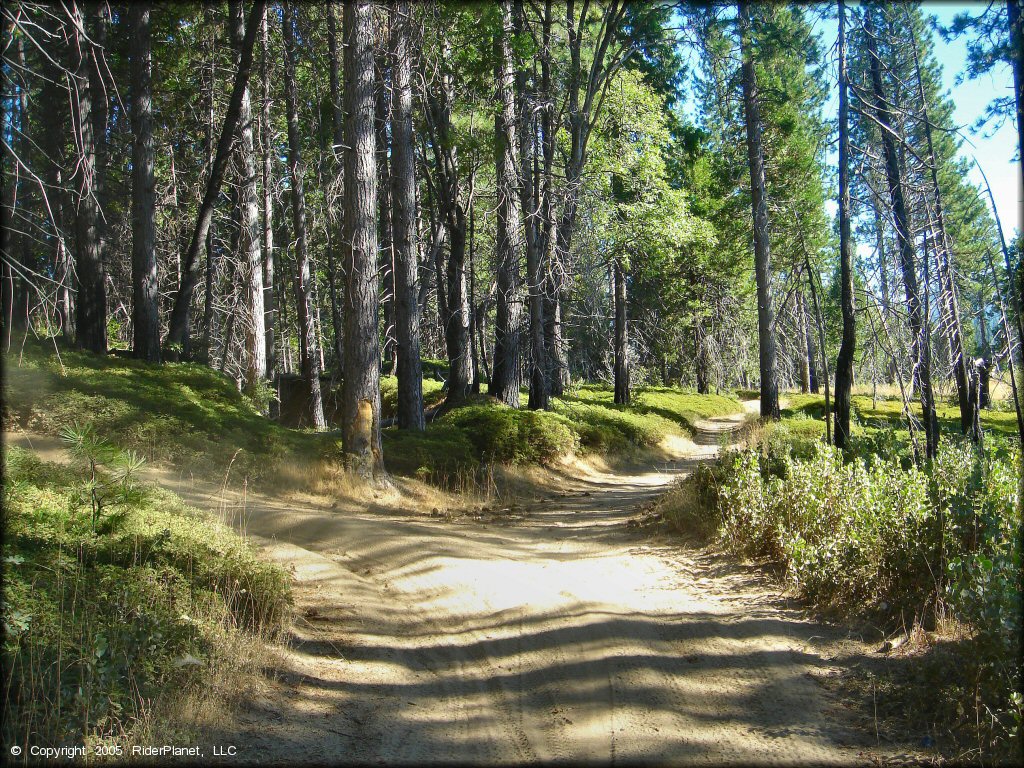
(554, 632)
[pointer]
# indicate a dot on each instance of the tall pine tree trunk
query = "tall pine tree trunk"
(505, 380)
(145, 284)
(209, 83)
(250, 245)
(759, 202)
(533, 213)
(554, 344)
(456, 333)
(308, 355)
(403, 221)
(338, 141)
(267, 184)
(91, 304)
(387, 256)
(361, 387)
(844, 363)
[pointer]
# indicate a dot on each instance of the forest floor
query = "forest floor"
(551, 629)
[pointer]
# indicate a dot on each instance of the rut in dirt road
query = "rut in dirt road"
(562, 635)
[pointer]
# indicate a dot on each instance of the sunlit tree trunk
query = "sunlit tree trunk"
(384, 225)
(759, 202)
(509, 243)
(250, 245)
(361, 387)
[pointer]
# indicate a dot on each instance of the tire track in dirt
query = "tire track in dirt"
(565, 635)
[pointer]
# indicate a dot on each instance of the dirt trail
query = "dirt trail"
(557, 634)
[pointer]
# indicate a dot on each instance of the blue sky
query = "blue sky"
(995, 153)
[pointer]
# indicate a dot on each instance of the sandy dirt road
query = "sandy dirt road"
(556, 634)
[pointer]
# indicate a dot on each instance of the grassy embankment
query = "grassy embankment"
(129, 614)
(194, 419)
(930, 553)
(129, 617)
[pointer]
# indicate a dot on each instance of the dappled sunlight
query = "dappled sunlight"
(546, 631)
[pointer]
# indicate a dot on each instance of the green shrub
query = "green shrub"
(506, 435)
(433, 393)
(441, 450)
(101, 620)
(906, 544)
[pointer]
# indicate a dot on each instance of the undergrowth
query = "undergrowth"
(124, 616)
(910, 548)
(467, 440)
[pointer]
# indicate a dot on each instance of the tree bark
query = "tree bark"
(944, 258)
(361, 388)
(267, 183)
(177, 333)
(211, 265)
(532, 213)
(145, 284)
(920, 353)
(759, 202)
(1015, 21)
(338, 141)
(308, 354)
(403, 222)
(387, 257)
(621, 332)
(804, 343)
(460, 358)
(505, 380)
(91, 304)
(249, 237)
(847, 349)
(554, 344)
